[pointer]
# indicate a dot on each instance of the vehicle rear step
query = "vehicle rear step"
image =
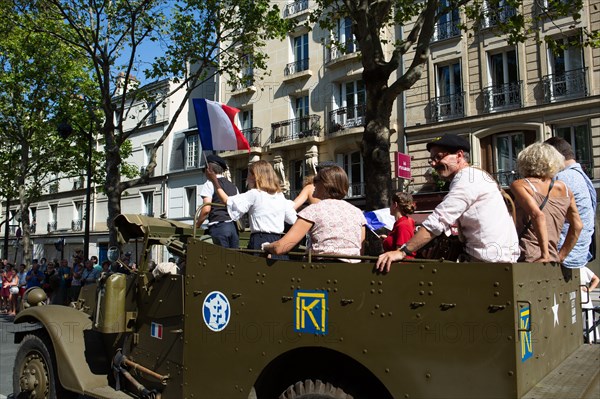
(578, 376)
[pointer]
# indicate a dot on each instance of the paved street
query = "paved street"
(8, 350)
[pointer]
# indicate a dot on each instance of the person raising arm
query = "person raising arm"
(264, 203)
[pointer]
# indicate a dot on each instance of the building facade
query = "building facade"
(504, 97)
(309, 109)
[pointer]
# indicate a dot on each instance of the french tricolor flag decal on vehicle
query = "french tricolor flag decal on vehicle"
(156, 330)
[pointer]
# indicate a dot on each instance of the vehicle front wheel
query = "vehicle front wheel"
(310, 389)
(35, 374)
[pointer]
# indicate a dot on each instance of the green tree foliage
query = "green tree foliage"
(38, 78)
(393, 63)
(198, 39)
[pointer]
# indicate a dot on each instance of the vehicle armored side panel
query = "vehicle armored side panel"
(424, 330)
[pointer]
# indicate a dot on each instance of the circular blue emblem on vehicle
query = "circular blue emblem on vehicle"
(216, 311)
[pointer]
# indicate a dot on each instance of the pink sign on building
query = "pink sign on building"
(403, 166)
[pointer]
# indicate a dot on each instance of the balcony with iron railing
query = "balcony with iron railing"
(151, 120)
(12, 229)
(356, 190)
(505, 177)
(446, 30)
(252, 134)
(346, 118)
(447, 107)
(295, 67)
(51, 226)
(244, 84)
(76, 225)
(78, 184)
(334, 52)
(294, 8)
(502, 97)
(565, 86)
(294, 129)
(493, 16)
(143, 170)
(554, 9)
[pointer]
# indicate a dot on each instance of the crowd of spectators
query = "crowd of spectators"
(61, 280)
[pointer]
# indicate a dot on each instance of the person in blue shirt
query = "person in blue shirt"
(585, 200)
(90, 274)
(34, 277)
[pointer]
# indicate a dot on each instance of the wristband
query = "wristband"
(404, 249)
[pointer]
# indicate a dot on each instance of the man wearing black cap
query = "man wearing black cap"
(474, 203)
(220, 226)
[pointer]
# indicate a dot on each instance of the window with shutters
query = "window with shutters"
(185, 151)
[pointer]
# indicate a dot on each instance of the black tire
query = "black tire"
(310, 389)
(35, 361)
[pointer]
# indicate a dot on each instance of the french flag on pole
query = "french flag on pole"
(216, 127)
(380, 218)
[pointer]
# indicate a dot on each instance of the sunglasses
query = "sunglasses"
(439, 157)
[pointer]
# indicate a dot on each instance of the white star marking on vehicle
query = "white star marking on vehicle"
(555, 311)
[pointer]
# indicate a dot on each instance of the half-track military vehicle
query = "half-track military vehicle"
(235, 324)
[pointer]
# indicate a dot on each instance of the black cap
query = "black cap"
(212, 158)
(452, 142)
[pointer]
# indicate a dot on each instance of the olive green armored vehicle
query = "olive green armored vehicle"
(230, 324)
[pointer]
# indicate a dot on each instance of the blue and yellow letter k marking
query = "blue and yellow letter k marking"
(311, 312)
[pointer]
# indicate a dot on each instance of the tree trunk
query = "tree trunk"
(376, 142)
(112, 186)
(26, 229)
(24, 204)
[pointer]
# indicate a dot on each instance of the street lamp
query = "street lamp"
(65, 130)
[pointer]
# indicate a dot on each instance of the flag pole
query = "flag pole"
(372, 230)
(205, 160)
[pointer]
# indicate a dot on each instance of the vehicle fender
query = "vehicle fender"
(65, 327)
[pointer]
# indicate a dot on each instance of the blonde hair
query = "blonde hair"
(405, 202)
(265, 177)
(540, 160)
